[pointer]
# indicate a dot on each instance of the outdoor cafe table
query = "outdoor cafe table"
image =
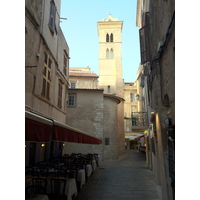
(89, 170)
(94, 164)
(70, 188)
(81, 177)
(38, 197)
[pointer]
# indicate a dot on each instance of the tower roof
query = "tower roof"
(110, 18)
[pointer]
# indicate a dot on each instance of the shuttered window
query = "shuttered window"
(60, 95)
(52, 17)
(65, 65)
(46, 77)
(145, 40)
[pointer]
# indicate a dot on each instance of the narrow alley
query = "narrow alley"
(127, 178)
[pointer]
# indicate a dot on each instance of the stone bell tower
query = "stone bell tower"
(110, 56)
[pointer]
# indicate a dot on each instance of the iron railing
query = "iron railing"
(139, 119)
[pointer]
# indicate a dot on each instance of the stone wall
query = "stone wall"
(86, 116)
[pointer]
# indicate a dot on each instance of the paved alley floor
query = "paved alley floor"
(127, 178)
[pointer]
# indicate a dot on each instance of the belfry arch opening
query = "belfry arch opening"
(109, 37)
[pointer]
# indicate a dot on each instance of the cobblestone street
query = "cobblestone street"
(127, 178)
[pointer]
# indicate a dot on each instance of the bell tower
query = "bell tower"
(110, 56)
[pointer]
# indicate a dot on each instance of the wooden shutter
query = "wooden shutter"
(145, 40)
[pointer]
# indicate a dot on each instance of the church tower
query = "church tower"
(110, 56)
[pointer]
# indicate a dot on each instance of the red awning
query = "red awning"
(37, 128)
(138, 138)
(63, 132)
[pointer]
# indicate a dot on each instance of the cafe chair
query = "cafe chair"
(29, 171)
(60, 173)
(40, 182)
(58, 189)
(32, 190)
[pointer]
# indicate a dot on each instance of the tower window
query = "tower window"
(107, 37)
(111, 53)
(108, 88)
(107, 53)
(111, 37)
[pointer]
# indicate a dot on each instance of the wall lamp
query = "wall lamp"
(42, 145)
(168, 121)
(137, 96)
(153, 117)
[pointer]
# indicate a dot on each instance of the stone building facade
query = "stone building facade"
(156, 20)
(46, 70)
(96, 113)
(83, 78)
(46, 84)
(110, 69)
(110, 56)
(46, 59)
(86, 114)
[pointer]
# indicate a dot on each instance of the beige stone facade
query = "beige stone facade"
(86, 115)
(83, 78)
(96, 113)
(130, 104)
(45, 51)
(157, 38)
(110, 56)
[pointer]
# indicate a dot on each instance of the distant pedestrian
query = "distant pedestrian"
(126, 145)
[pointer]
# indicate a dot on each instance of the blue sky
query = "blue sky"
(80, 30)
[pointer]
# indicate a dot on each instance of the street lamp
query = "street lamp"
(137, 96)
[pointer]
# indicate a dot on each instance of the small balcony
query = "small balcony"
(139, 120)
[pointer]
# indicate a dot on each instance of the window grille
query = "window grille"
(107, 141)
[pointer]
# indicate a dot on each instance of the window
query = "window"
(46, 76)
(107, 37)
(107, 141)
(132, 97)
(111, 37)
(144, 33)
(72, 101)
(73, 85)
(60, 95)
(108, 89)
(52, 17)
(109, 53)
(133, 108)
(65, 65)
